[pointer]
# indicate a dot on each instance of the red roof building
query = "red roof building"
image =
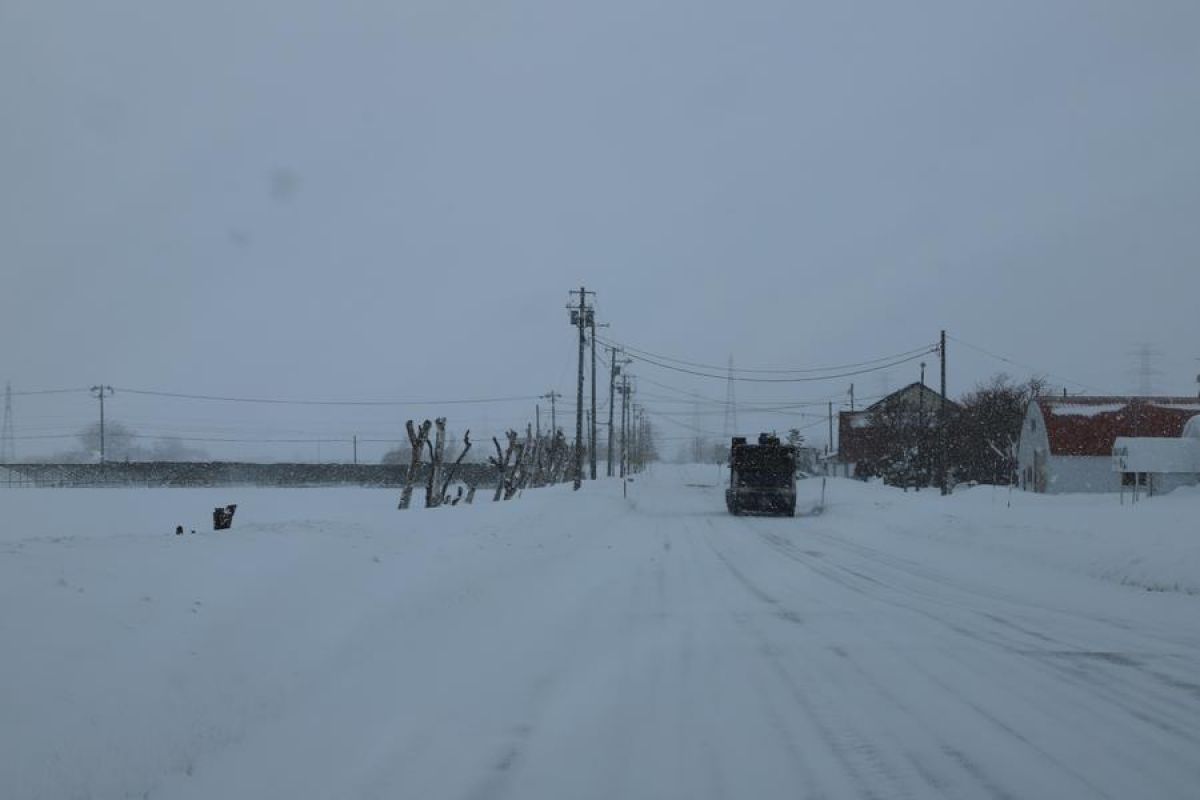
(1067, 442)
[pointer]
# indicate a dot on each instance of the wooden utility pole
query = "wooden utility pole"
(553, 397)
(581, 317)
(100, 392)
(624, 416)
(594, 454)
(615, 365)
(613, 369)
(943, 456)
(831, 426)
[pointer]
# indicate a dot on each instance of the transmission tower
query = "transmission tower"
(8, 450)
(730, 426)
(1145, 367)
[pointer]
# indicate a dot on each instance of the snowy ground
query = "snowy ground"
(583, 646)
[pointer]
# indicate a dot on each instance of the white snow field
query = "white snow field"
(569, 645)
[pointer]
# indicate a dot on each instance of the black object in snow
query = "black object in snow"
(223, 517)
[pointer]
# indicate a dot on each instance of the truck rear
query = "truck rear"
(762, 477)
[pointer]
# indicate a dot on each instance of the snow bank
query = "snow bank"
(1153, 545)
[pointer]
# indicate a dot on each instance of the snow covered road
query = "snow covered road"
(575, 646)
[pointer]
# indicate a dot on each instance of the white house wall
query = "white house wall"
(1061, 473)
(1169, 481)
(1033, 446)
(1081, 474)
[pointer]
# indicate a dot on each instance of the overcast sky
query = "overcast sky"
(390, 200)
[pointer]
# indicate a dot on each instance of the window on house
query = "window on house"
(1134, 478)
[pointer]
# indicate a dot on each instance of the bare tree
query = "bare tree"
(433, 497)
(417, 440)
(466, 448)
(501, 462)
(985, 433)
(513, 482)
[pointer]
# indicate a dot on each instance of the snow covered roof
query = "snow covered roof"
(1089, 426)
(1191, 430)
(1082, 410)
(1156, 454)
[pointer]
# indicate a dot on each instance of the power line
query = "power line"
(27, 393)
(47, 436)
(294, 402)
(916, 351)
(1016, 363)
(742, 403)
(808, 379)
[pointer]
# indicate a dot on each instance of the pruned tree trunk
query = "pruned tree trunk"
(528, 461)
(560, 459)
(538, 457)
(470, 498)
(501, 461)
(514, 475)
(433, 495)
(454, 467)
(418, 440)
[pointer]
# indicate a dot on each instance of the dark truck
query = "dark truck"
(762, 477)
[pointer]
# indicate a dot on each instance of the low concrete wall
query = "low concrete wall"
(226, 473)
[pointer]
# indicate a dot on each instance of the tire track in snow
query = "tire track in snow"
(1176, 723)
(1047, 652)
(861, 761)
(837, 575)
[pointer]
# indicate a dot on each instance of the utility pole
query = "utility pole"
(553, 397)
(537, 416)
(593, 422)
(852, 397)
(615, 365)
(613, 369)
(99, 392)
(356, 448)
(581, 317)
(8, 449)
(830, 426)
(633, 437)
(638, 442)
(943, 455)
(624, 417)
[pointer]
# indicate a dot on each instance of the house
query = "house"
(1066, 443)
(862, 443)
(1157, 464)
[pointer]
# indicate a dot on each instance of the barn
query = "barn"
(1066, 443)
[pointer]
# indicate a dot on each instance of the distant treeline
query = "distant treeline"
(226, 473)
